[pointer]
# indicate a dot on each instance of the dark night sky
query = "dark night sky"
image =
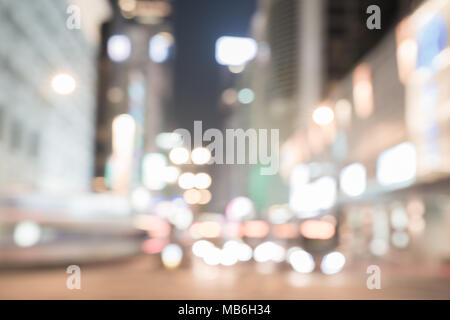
(197, 24)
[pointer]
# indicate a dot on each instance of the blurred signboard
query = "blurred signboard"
(427, 88)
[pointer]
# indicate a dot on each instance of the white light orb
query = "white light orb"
(239, 208)
(159, 47)
(201, 155)
(201, 247)
(27, 234)
(171, 256)
(323, 115)
(332, 263)
(186, 180)
(118, 48)
(63, 83)
(153, 170)
(235, 51)
(141, 199)
(353, 179)
(202, 180)
(301, 261)
(179, 155)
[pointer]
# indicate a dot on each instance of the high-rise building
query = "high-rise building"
(47, 122)
(137, 84)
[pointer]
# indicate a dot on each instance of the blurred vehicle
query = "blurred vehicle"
(39, 230)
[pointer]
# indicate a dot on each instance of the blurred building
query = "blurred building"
(46, 138)
(384, 144)
(305, 48)
(138, 84)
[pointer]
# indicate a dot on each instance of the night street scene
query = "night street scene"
(225, 149)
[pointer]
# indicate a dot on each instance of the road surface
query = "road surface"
(143, 277)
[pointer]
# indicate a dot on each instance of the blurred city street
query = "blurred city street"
(226, 149)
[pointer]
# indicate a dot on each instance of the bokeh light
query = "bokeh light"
(246, 96)
(301, 261)
(205, 197)
(63, 83)
(202, 180)
(332, 263)
(235, 51)
(27, 233)
(179, 155)
(171, 256)
(159, 47)
(186, 180)
(323, 115)
(154, 170)
(192, 196)
(141, 199)
(119, 48)
(239, 208)
(200, 155)
(353, 179)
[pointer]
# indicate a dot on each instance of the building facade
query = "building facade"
(46, 139)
